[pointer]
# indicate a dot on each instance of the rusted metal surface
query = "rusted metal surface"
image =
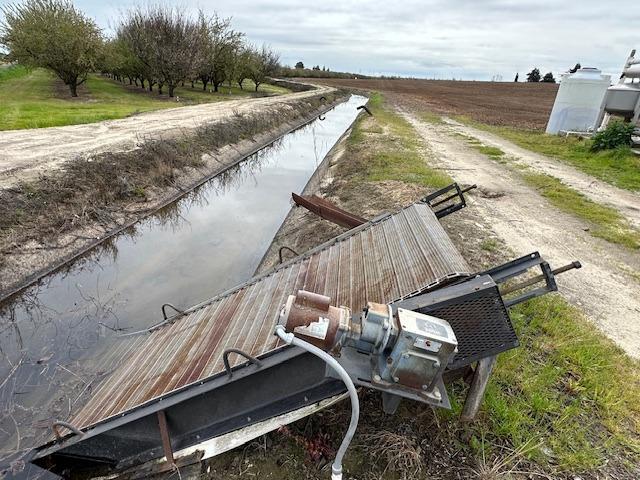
(327, 210)
(389, 258)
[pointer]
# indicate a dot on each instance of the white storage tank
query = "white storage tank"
(579, 101)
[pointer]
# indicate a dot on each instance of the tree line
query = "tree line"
(534, 76)
(153, 46)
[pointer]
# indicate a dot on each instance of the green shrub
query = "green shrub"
(617, 134)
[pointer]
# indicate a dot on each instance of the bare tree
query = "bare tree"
(242, 65)
(165, 40)
(264, 63)
(219, 50)
(52, 34)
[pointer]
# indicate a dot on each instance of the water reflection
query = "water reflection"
(60, 337)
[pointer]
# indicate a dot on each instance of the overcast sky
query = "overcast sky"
(464, 39)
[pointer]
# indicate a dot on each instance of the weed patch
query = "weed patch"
(607, 222)
(492, 152)
(490, 245)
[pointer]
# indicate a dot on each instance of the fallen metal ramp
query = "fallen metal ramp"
(181, 387)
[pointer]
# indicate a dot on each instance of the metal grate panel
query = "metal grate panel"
(481, 324)
(475, 310)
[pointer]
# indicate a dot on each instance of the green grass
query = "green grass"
(568, 397)
(607, 223)
(397, 153)
(490, 245)
(431, 117)
(492, 152)
(36, 99)
(12, 71)
(619, 167)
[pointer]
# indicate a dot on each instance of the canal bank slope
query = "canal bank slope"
(54, 218)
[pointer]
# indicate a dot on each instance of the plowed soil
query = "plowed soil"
(523, 105)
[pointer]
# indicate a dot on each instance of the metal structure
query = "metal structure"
(403, 348)
(327, 210)
(217, 367)
(623, 99)
(179, 367)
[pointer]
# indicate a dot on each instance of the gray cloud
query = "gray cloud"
(472, 39)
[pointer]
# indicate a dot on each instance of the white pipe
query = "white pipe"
(290, 339)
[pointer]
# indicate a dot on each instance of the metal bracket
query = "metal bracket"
(365, 108)
(164, 312)
(459, 201)
(225, 359)
(286, 248)
(67, 425)
(521, 265)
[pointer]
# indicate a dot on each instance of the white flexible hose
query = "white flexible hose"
(290, 339)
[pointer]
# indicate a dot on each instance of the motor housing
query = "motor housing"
(400, 352)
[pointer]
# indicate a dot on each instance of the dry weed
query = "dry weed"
(400, 452)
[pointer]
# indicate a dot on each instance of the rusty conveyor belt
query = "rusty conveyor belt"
(385, 259)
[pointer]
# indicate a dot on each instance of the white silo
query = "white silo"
(579, 101)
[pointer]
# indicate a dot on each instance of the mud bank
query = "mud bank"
(25, 263)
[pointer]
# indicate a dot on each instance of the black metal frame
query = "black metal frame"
(477, 314)
(519, 266)
(434, 200)
(194, 414)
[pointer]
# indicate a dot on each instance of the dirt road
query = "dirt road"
(605, 288)
(626, 202)
(24, 153)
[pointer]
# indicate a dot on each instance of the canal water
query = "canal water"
(54, 336)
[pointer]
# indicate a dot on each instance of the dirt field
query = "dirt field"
(525, 105)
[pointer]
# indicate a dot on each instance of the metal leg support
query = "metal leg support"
(164, 434)
(477, 389)
(390, 402)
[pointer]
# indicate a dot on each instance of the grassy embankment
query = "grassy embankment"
(390, 150)
(606, 222)
(36, 99)
(567, 401)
